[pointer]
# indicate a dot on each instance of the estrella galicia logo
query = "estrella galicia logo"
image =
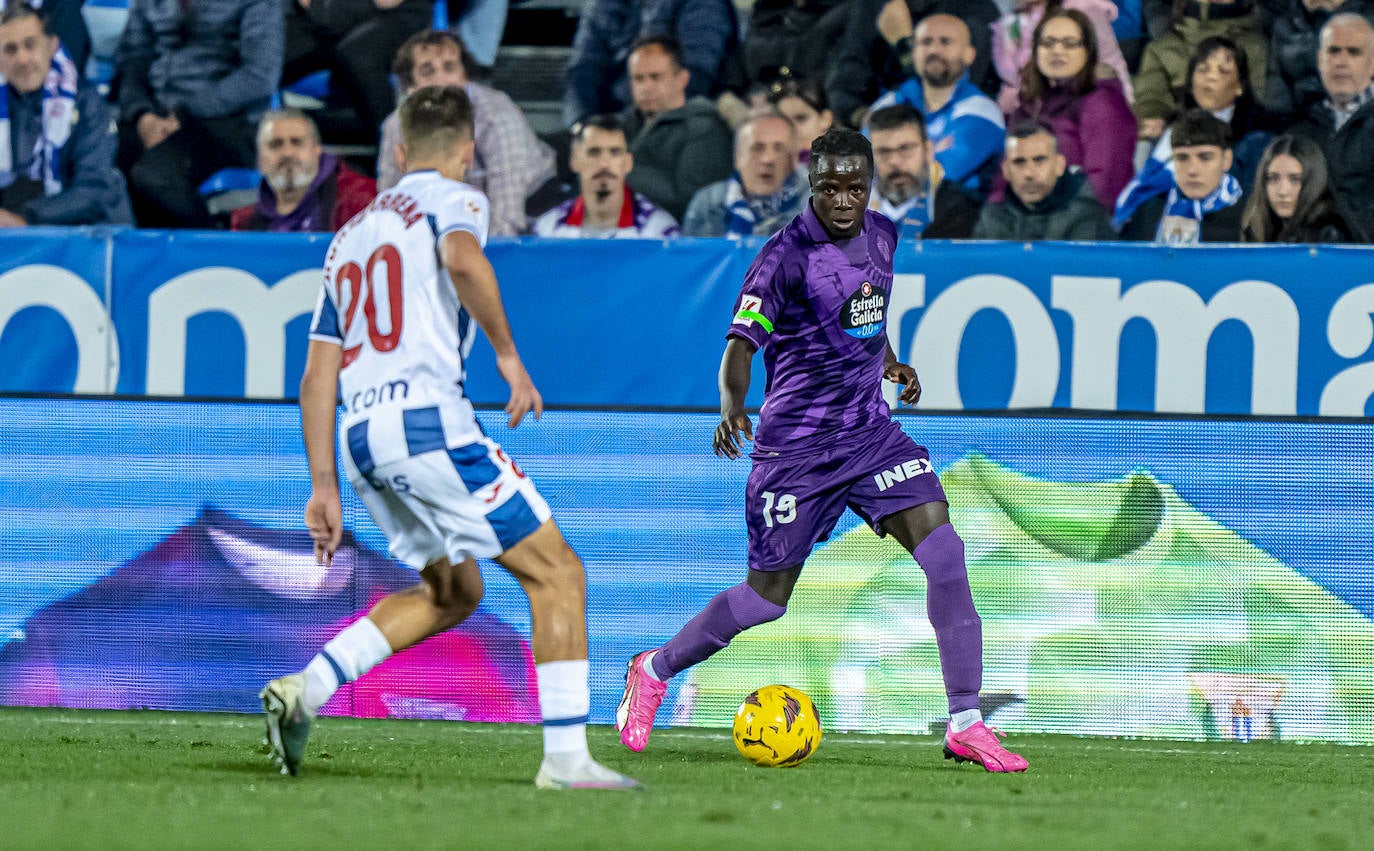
(863, 312)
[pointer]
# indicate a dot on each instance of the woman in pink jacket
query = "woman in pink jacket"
(1013, 43)
(1090, 117)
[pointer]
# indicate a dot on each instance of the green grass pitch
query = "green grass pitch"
(75, 779)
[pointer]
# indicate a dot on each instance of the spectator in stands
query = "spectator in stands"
(876, 51)
(909, 186)
(766, 191)
(680, 143)
(1203, 204)
(963, 124)
(63, 19)
(1090, 117)
(1013, 44)
(1164, 67)
(803, 103)
(57, 146)
(783, 39)
(193, 82)
(605, 207)
(1343, 123)
(510, 163)
(354, 40)
(1292, 84)
(1045, 200)
(706, 31)
(303, 188)
(1219, 82)
(1292, 199)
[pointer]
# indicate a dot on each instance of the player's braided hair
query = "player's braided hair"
(842, 142)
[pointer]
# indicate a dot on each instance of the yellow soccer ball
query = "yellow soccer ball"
(777, 726)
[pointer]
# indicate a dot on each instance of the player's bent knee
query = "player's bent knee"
(455, 590)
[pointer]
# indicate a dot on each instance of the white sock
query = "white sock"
(649, 668)
(565, 700)
(349, 655)
(961, 721)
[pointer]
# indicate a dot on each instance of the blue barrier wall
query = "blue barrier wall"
(1265, 330)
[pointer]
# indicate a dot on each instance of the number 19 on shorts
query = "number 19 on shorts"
(778, 508)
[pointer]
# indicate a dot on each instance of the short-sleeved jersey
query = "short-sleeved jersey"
(389, 302)
(818, 310)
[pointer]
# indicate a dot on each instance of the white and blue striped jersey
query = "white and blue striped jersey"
(390, 304)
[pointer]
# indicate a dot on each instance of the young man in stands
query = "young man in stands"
(510, 163)
(303, 188)
(605, 207)
(1204, 202)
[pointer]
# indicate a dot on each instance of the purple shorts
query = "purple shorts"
(793, 503)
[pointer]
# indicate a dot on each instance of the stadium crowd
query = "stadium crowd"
(1170, 122)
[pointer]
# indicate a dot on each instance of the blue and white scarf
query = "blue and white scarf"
(59, 114)
(743, 214)
(1181, 223)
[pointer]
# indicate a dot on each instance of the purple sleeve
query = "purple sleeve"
(1108, 130)
(762, 297)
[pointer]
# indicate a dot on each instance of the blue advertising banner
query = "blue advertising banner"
(1135, 577)
(55, 329)
(1271, 330)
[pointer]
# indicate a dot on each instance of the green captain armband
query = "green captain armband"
(751, 316)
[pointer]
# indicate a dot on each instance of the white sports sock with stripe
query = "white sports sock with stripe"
(565, 700)
(349, 655)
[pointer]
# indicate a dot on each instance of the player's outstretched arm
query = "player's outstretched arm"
(734, 428)
(319, 401)
(899, 373)
(475, 281)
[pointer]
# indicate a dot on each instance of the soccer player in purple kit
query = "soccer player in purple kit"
(815, 301)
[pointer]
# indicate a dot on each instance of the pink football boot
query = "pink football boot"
(979, 744)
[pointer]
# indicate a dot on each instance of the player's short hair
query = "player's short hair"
(18, 11)
(842, 142)
(403, 66)
(898, 115)
(667, 44)
(1028, 127)
(601, 121)
(435, 119)
(1200, 127)
(287, 113)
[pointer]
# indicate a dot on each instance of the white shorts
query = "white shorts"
(450, 502)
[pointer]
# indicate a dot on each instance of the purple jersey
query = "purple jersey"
(818, 310)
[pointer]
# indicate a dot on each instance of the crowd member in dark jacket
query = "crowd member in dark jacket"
(57, 148)
(303, 188)
(874, 54)
(1292, 83)
(1343, 124)
(785, 41)
(679, 144)
(909, 186)
(1044, 199)
(706, 30)
(1292, 199)
(193, 81)
(1090, 117)
(1203, 202)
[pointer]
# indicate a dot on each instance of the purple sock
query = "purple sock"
(729, 613)
(949, 605)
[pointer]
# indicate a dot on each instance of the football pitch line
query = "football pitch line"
(350, 724)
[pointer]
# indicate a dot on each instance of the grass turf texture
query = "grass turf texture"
(181, 780)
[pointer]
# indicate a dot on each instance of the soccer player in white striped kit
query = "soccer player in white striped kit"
(406, 287)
